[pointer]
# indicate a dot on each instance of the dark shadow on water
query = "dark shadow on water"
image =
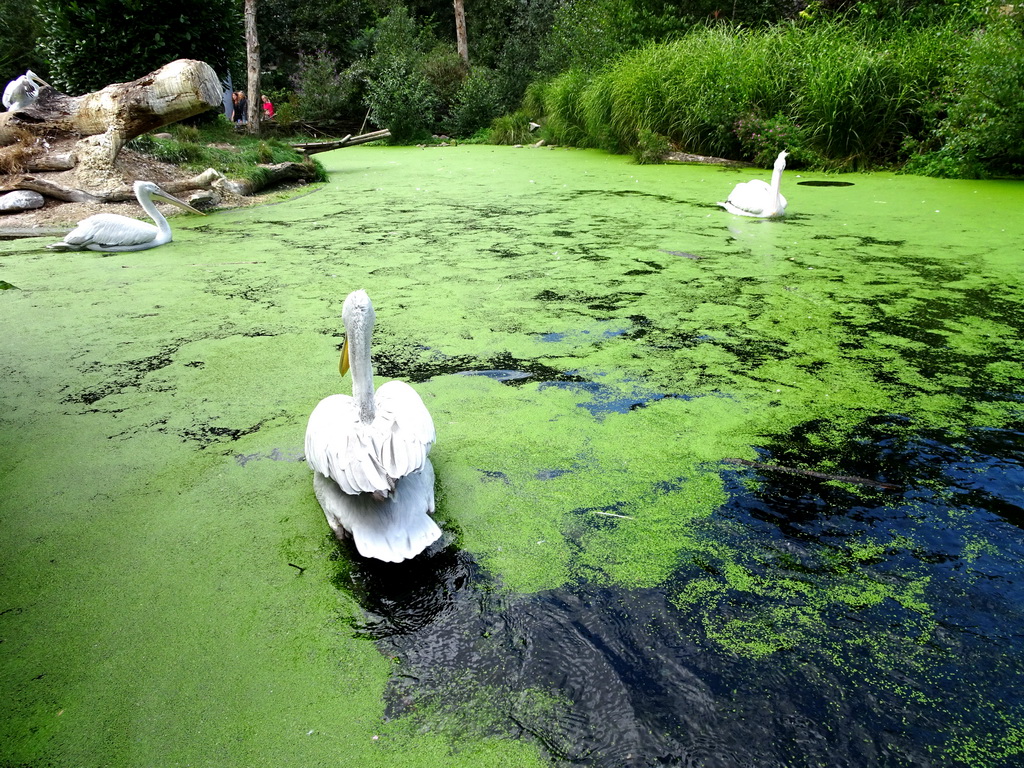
(601, 675)
(403, 363)
(623, 193)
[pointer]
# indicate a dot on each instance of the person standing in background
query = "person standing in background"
(241, 105)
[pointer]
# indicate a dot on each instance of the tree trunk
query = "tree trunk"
(460, 30)
(118, 113)
(252, 56)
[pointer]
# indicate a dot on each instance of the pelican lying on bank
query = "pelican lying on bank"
(368, 452)
(111, 233)
(22, 91)
(758, 199)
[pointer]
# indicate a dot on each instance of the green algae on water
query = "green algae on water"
(154, 407)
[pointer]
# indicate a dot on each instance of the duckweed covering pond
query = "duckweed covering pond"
(617, 371)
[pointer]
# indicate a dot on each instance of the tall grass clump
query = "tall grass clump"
(598, 109)
(862, 90)
(510, 129)
(533, 99)
(562, 105)
(841, 94)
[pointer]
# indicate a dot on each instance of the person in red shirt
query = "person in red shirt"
(268, 108)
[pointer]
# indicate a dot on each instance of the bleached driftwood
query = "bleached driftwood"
(312, 147)
(204, 180)
(110, 117)
(273, 174)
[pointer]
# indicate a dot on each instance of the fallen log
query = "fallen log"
(269, 176)
(312, 147)
(56, 161)
(204, 180)
(50, 189)
(16, 233)
(110, 117)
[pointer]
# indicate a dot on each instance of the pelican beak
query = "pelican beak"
(343, 363)
(180, 203)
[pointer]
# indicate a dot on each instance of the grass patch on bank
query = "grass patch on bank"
(219, 146)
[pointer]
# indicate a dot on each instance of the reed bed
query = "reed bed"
(846, 95)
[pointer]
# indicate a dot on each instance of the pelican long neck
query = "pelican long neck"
(158, 218)
(358, 339)
(777, 183)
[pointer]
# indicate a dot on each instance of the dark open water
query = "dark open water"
(632, 677)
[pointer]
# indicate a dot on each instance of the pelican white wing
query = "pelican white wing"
(105, 231)
(374, 481)
(370, 458)
(110, 232)
(395, 529)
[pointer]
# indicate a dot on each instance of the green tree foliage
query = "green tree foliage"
(983, 133)
(325, 91)
(292, 30)
(92, 44)
(400, 96)
(20, 26)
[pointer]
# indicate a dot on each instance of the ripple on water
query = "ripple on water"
(609, 676)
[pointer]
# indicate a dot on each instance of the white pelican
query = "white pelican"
(110, 232)
(368, 452)
(757, 199)
(22, 91)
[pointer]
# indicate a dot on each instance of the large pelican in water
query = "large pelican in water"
(758, 199)
(368, 452)
(22, 91)
(110, 232)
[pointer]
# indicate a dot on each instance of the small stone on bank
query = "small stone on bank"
(21, 200)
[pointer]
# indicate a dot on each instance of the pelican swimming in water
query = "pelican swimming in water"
(368, 453)
(22, 91)
(110, 232)
(758, 199)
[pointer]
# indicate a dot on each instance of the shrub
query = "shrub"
(323, 91)
(445, 71)
(763, 138)
(402, 101)
(476, 104)
(586, 35)
(651, 148)
(400, 96)
(983, 134)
